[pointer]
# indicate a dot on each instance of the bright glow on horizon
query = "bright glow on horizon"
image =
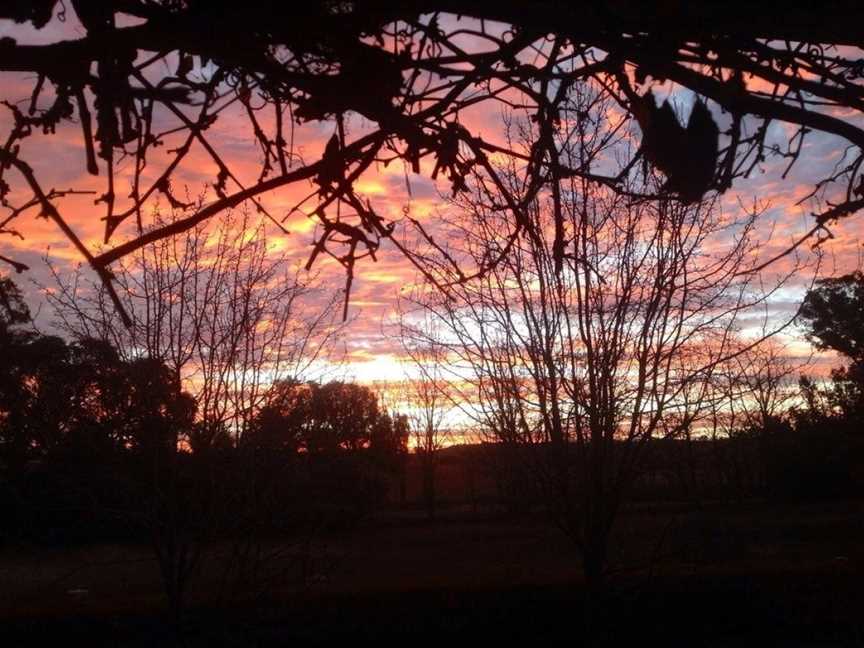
(373, 356)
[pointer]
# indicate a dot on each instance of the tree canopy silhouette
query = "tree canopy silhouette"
(326, 419)
(833, 312)
(145, 81)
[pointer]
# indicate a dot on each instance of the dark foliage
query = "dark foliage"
(325, 419)
(344, 443)
(94, 447)
(834, 314)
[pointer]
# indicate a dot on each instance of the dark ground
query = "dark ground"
(727, 575)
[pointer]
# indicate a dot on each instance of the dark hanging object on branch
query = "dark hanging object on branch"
(687, 156)
(696, 174)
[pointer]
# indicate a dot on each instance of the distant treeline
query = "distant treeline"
(96, 447)
(788, 461)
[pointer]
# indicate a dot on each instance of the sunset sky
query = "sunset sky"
(372, 352)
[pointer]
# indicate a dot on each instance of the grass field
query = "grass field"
(719, 576)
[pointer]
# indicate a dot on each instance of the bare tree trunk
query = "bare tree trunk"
(428, 467)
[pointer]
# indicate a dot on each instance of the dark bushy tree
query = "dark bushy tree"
(339, 437)
(82, 430)
(833, 312)
(324, 419)
(822, 454)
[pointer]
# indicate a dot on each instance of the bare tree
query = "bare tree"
(216, 306)
(751, 394)
(229, 321)
(767, 378)
(426, 401)
(599, 329)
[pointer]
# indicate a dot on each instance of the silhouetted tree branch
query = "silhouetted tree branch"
(146, 81)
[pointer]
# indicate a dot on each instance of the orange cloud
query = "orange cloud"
(394, 191)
